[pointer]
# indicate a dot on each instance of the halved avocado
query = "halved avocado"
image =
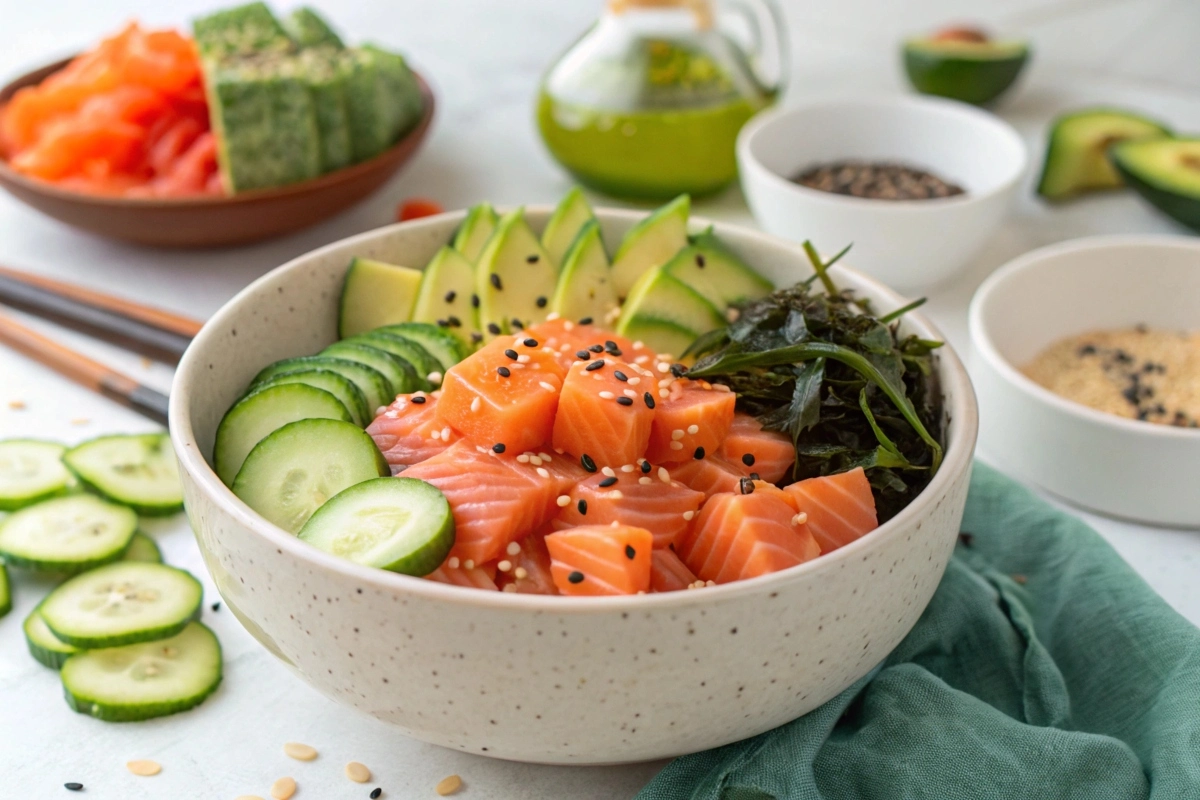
(1076, 156)
(965, 69)
(1166, 172)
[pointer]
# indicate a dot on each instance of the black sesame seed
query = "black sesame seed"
(678, 370)
(493, 329)
(609, 344)
(576, 576)
(646, 466)
(649, 398)
(73, 786)
(533, 259)
(699, 260)
(586, 462)
(418, 400)
(582, 506)
(495, 279)
(517, 324)
(450, 295)
(498, 447)
(582, 355)
(585, 321)
(512, 354)
(476, 337)
(541, 302)
(455, 322)
(216, 606)
(607, 482)
(746, 485)
(443, 323)
(504, 371)
(754, 476)
(375, 793)
(595, 365)
(474, 300)
(597, 348)
(530, 342)
(748, 459)
(621, 376)
(699, 454)
(625, 401)
(630, 553)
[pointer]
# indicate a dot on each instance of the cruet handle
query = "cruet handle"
(769, 45)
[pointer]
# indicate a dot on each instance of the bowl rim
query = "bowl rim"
(984, 344)
(923, 104)
(961, 408)
(8, 175)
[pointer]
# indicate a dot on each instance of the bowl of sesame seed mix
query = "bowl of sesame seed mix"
(1087, 362)
(561, 677)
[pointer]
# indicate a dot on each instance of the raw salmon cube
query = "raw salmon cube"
(710, 475)
(753, 451)
(600, 560)
(693, 418)
(409, 432)
(603, 412)
(642, 500)
(529, 567)
(840, 507)
(668, 573)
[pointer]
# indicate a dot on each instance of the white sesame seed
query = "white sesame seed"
(144, 767)
(563, 501)
(523, 359)
(510, 588)
(452, 783)
(665, 383)
(283, 789)
(389, 414)
(553, 315)
(663, 475)
(469, 564)
(710, 583)
(519, 365)
(453, 562)
(693, 429)
(549, 387)
(515, 547)
(634, 381)
(644, 481)
(664, 366)
(545, 457)
(608, 472)
(545, 473)
(476, 403)
(631, 392)
(627, 468)
(689, 514)
(641, 359)
(677, 434)
(434, 377)
(381, 410)
(568, 326)
(665, 357)
(664, 394)
(435, 435)
(523, 458)
(800, 518)
(607, 395)
(504, 566)
(615, 494)
(446, 434)
(676, 445)
(521, 573)
(536, 461)
(639, 344)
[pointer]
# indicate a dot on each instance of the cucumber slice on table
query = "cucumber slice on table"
(5, 591)
(142, 681)
(122, 603)
(31, 471)
(401, 375)
(341, 388)
(67, 534)
(406, 350)
(255, 416)
(46, 648)
(441, 344)
(292, 472)
(138, 471)
(376, 388)
(143, 548)
(398, 524)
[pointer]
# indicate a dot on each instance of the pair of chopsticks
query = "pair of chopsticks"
(149, 331)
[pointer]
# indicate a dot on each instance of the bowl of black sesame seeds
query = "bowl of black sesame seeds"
(917, 184)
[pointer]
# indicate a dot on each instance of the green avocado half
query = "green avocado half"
(1077, 150)
(1166, 172)
(973, 72)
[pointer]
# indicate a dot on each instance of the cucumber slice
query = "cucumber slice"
(401, 375)
(398, 524)
(478, 226)
(376, 388)
(374, 294)
(5, 590)
(338, 386)
(257, 415)
(67, 534)
(122, 603)
(46, 648)
(135, 470)
(572, 213)
(292, 472)
(421, 360)
(142, 681)
(31, 471)
(441, 344)
(143, 548)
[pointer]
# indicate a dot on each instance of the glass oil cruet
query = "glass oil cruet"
(649, 102)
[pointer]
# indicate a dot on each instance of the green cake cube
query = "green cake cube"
(242, 30)
(309, 29)
(382, 99)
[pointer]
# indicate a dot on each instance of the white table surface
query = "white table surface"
(484, 59)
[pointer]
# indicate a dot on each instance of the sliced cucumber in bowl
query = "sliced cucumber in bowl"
(67, 534)
(31, 471)
(376, 389)
(334, 383)
(138, 471)
(401, 375)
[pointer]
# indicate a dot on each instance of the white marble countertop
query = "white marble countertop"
(484, 59)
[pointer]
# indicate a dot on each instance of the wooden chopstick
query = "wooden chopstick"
(96, 376)
(150, 331)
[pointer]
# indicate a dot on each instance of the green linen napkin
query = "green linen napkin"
(1043, 668)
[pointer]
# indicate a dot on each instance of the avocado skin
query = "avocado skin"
(971, 80)
(1183, 208)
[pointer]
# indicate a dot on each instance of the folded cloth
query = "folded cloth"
(1043, 668)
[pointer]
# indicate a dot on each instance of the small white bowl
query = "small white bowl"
(1113, 465)
(908, 244)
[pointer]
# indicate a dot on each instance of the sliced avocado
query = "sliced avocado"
(651, 243)
(376, 294)
(707, 266)
(661, 310)
(441, 344)
(1077, 153)
(444, 298)
(241, 30)
(572, 213)
(514, 277)
(585, 285)
(478, 226)
(1166, 172)
(309, 29)
(965, 69)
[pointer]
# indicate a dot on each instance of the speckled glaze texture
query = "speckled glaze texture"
(549, 680)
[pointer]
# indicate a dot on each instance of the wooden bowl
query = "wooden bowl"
(211, 221)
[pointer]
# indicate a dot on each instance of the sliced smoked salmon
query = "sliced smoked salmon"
(529, 567)
(665, 508)
(739, 536)
(710, 475)
(503, 395)
(840, 507)
(668, 573)
(600, 559)
(604, 411)
(753, 451)
(407, 433)
(693, 419)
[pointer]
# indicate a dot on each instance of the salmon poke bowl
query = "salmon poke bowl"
(477, 477)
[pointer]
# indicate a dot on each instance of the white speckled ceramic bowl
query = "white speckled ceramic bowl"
(549, 679)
